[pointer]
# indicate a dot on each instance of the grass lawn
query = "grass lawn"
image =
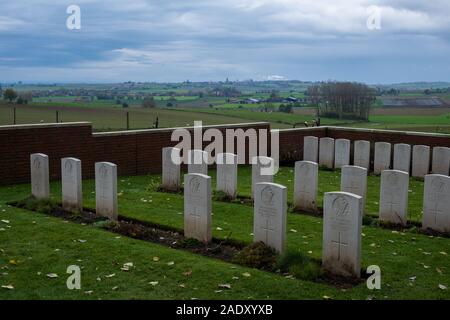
(32, 245)
(421, 123)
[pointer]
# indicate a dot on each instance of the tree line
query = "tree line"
(342, 100)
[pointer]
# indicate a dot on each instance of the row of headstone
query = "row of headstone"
(227, 169)
(71, 184)
(393, 203)
(331, 153)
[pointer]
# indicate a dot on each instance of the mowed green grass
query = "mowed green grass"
(413, 265)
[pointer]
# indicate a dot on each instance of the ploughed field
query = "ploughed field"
(34, 247)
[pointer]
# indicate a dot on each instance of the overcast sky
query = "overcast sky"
(199, 40)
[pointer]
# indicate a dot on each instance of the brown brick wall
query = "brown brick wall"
(291, 140)
(134, 152)
(139, 152)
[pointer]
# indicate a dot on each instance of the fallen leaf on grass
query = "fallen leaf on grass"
(156, 259)
(110, 275)
(8, 287)
(246, 274)
(170, 263)
(153, 283)
(224, 285)
(442, 287)
(14, 262)
(52, 275)
(187, 273)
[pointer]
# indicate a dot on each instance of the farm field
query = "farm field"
(413, 265)
(109, 116)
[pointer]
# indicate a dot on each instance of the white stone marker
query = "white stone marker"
(402, 157)
(361, 157)
(420, 161)
(305, 185)
(106, 190)
(354, 180)
(40, 187)
(310, 149)
(441, 160)
(72, 196)
(436, 203)
(342, 220)
(171, 168)
(198, 161)
(326, 152)
(260, 166)
(394, 196)
(269, 225)
(341, 153)
(382, 158)
(197, 207)
(227, 170)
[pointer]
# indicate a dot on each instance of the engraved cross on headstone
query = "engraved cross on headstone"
(436, 212)
(339, 243)
(267, 229)
(196, 216)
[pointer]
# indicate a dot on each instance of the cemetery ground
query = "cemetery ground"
(36, 249)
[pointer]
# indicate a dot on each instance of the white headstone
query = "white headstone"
(227, 170)
(198, 161)
(39, 176)
(171, 168)
(326, 152)
(269, 225)
(362, 154)
(436, 203)
(402, 157)
(382, 158)
(394, 196)
(420, 161)
(342, 220)
(305, 185)
(354, 180)
(106, 190)
(197, 207)
(310, 148)
(260, 172)
(341, 153)
(72, 197)
(441, 160)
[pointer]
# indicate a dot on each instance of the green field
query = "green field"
(33, 245)
(107, 115)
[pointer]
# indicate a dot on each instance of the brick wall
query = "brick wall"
(291, 140)
(139, 151)
(134, 152)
